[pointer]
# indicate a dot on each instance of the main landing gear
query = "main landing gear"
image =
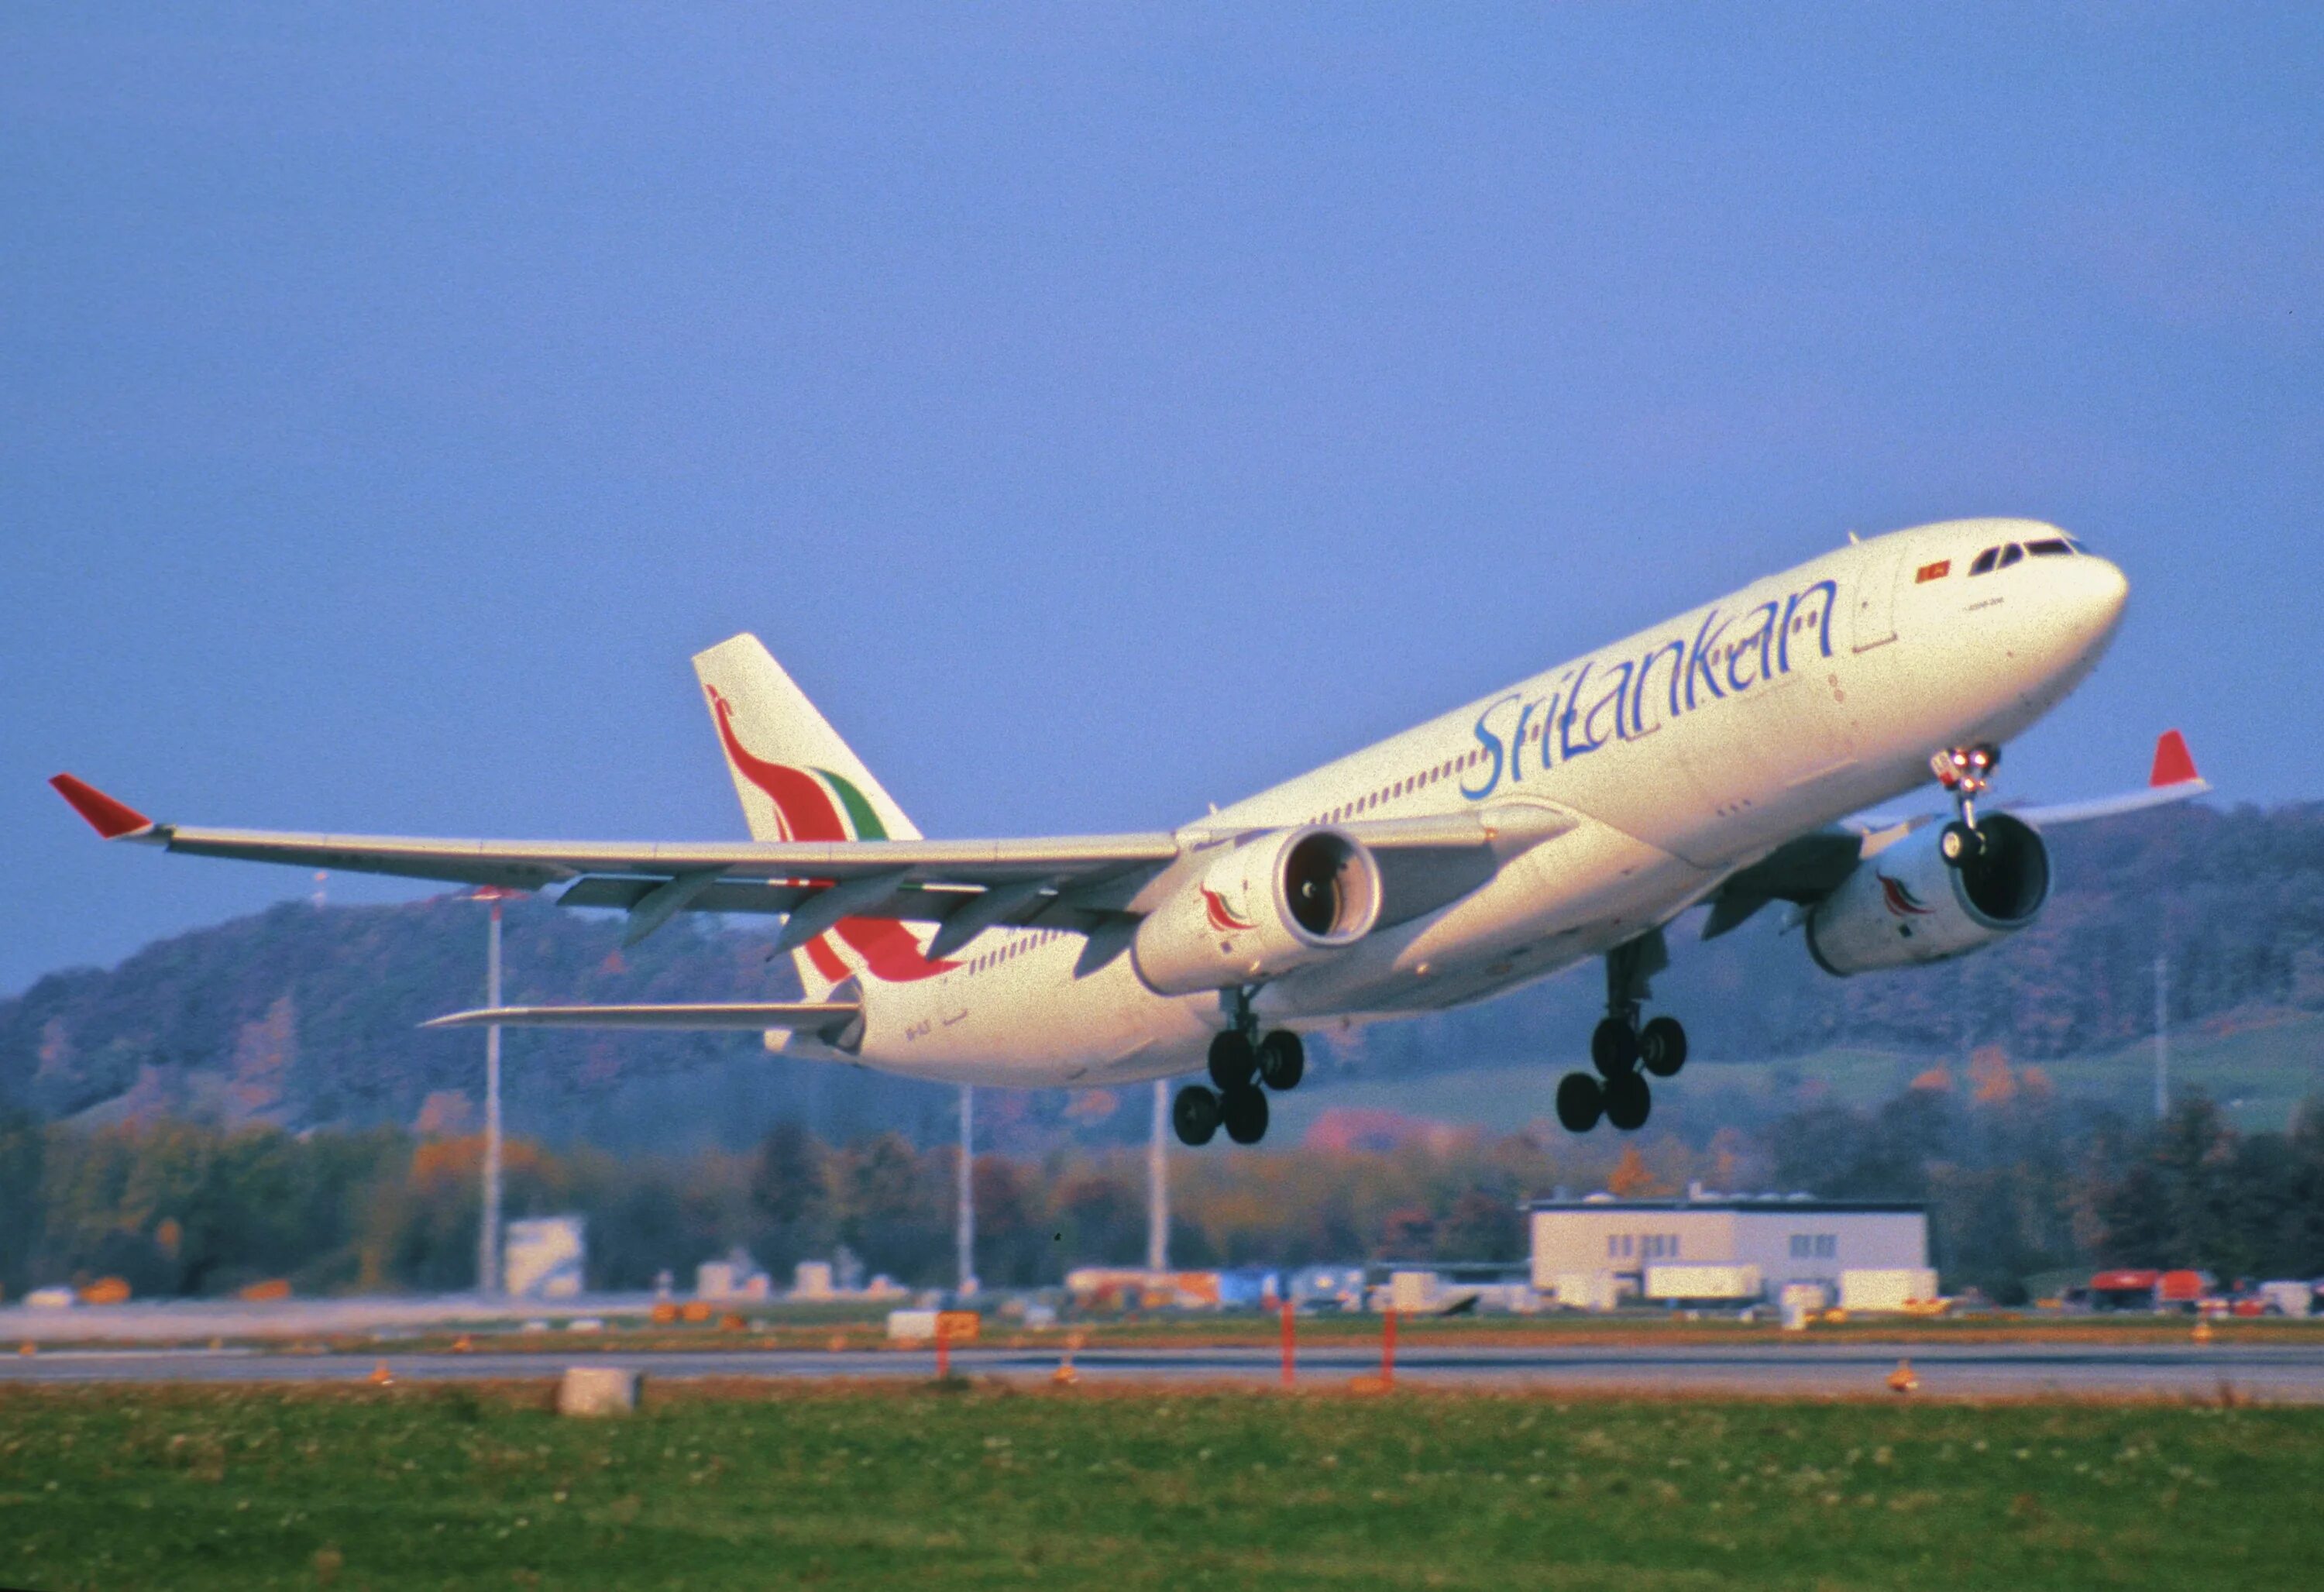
(1967, 772)
(1621, 1049)
(1241, 1060)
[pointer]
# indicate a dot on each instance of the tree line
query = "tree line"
(2015, 1188)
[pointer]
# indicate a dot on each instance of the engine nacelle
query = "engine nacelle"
(1261, 909)
(1905, 905)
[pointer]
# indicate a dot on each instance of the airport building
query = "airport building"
(1595, 1252)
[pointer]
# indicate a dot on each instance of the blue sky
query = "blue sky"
(1102, 411)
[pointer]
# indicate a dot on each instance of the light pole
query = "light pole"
(488, 1240)
(1157, 1185)
(965, 1231)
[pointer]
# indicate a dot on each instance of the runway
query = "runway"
(2260, 1373)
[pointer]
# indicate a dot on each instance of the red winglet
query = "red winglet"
(2173, 763)
(109, 818)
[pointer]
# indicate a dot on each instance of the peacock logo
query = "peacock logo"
(1902, 902)
(817, 805)
(1222, 916)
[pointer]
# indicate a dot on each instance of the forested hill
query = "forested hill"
(302, 1016)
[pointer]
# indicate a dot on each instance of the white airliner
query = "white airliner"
(1709, 760)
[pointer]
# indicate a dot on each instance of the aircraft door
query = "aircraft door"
(1876, 596)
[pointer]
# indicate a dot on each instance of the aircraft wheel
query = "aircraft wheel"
(1614, 1048)
(1957, 843)
(1231, 1060)
(1194, 1113)
(1627, 1102)
(1661, 1047)
(1580, 1102)
(1244, 1112)
(1282, 1059)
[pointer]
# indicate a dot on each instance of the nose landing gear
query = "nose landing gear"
(1619, 1047)
(1242, 1060)
(1966, 773)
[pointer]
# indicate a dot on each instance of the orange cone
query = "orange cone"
(381, 1377)
(1903, 1379)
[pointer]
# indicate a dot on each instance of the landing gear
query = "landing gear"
(1580, 1102)
(1661, 1047)
(1232, 1060)
(1619, 1047)
(1194, 1115)
(1241, 1060)
(1244, 1112)
(1966, 773)
(1627, 1102)
(1282, 1059)
(1614, 1044)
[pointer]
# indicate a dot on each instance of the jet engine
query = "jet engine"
(1272, 904)
(1907, 905)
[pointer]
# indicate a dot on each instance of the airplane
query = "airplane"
(1715, 760)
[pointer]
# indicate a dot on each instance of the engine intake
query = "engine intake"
(1270, 905)
(1906, 905)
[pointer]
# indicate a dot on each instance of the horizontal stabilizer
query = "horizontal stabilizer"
(746, 1015)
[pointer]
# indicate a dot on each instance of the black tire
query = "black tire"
(1627, 1102)
(1282, 1059)
(1614, 1048)
(1244, 1113)
(1194, 1114)
(1958, 843)
(1661, 1047)
(1231, 1061)
(1580, 1102)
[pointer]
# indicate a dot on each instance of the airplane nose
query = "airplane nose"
(2104, 589)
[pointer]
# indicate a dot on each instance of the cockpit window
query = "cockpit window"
(2011, 555)
(1984, 565)
(2055, 547)
(2076, 543)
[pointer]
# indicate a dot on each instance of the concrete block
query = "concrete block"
(597, 1390)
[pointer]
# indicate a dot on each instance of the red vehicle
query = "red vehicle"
(2124, 1290)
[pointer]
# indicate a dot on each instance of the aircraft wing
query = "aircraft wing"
(1077, 883)
(918, 879)
(2172, 779)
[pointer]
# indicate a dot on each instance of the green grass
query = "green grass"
(414, 1487)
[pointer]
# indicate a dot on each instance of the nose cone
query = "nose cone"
(2074, 618)
(2097, 591)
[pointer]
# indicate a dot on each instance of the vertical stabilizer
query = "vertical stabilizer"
(798, 781)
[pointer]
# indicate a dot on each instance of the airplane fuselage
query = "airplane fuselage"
(1659, 765)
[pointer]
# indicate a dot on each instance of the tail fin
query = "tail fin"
(798, 781)
(797, 778)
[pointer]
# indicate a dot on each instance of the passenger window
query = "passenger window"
(1984, 565)
(2055, 547)
(2011, 555)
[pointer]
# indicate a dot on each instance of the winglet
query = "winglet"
(112, 819)
(2173, 763)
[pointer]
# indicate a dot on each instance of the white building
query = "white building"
(1592, 1251)
(543, 1256)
